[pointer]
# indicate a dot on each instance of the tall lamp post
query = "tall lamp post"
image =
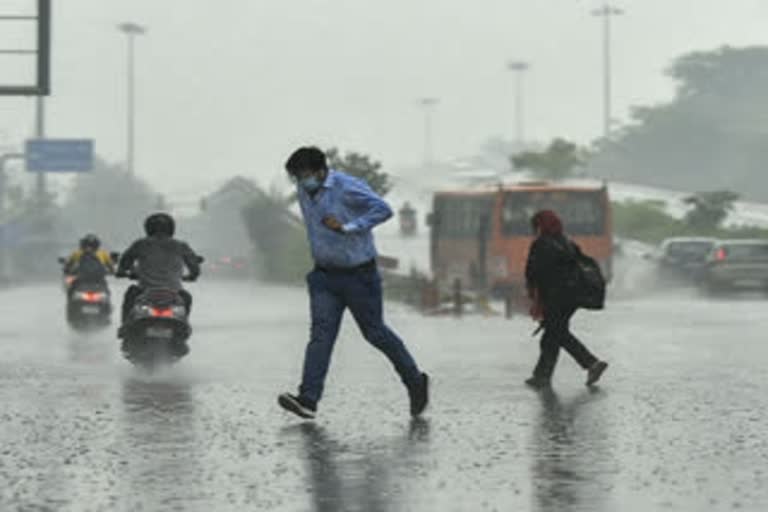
(131, 30)
(428, 104)
(607, 12)
(519, 68)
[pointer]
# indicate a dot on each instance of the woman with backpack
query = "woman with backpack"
(551, 278)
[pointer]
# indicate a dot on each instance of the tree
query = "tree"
(713, 131)
(361, 166)
(109, 202)
(709, 209)
(556, 162)
(279, 236)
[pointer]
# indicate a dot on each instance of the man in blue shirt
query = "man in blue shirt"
(339, 212)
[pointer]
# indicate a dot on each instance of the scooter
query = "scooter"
(157, 328)
(89, 304)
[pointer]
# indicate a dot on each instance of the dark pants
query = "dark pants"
(557, 334)
(330, 293)
(133, 292)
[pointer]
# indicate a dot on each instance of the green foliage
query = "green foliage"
(709, 208)
(558, 161)
(645, 221)
(712, 132)
(648, 222)
(279, 236)
(361, 166)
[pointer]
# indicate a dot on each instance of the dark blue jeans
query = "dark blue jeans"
(330, 293)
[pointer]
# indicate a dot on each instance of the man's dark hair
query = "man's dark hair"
(306, 158)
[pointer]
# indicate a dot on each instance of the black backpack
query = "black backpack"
(585, 283)
(90, 268)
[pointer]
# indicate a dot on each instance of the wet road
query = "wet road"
(678, 424)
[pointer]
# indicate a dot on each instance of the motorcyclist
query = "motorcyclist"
(158, 261)
(89, 264)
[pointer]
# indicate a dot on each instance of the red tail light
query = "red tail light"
(161, 313)
(720, 254)
(93, 296)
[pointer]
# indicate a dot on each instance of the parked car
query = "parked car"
(737, 265)
(683, 259)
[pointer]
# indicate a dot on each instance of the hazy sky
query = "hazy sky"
(232, 86)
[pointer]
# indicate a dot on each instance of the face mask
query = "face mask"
(310, 184)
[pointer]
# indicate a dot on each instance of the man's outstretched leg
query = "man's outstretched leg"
(326, 308)
(363, 293)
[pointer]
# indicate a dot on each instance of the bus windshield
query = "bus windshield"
(582, 212)
(462, 217)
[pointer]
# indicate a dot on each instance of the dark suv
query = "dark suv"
(683, 258)
(737, 265)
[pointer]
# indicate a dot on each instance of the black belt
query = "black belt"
(368, 265)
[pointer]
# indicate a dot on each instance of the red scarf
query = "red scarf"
(548, 222)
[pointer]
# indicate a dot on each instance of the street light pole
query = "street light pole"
(41, 189)
(428, 104)
(131, 30)
(607, 11)
(519, 68)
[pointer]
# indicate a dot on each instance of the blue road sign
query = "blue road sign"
(59, 155)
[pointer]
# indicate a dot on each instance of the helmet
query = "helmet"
(90, 241)
(159, 224)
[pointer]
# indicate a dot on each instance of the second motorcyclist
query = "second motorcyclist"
(89, 265)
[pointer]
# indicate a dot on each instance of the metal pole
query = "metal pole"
(607, 74)
(44, 47)
(428, 137)
(130, 148)
(607, 12)
(428, 104)
(41, 186)
(519, 68)
(519, 127)
(131, 30)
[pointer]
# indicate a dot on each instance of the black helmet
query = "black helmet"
(90, 241)
(159, 224)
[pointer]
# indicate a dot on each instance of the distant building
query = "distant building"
(218, 232)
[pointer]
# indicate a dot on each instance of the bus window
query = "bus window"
(582, 212)
(460, 217)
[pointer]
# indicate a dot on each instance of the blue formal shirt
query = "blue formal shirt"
(353, 203)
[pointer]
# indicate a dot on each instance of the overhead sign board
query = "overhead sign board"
(59, 155)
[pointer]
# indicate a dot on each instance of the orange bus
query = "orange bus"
(482, 236)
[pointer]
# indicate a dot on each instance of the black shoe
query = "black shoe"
(538, 382)
(595, 372)
(419, 395)
(297, 405)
